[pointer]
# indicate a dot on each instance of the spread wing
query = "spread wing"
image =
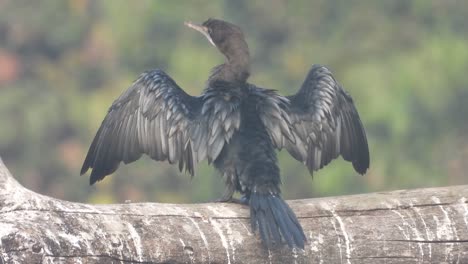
(156, 117)
(324, 123)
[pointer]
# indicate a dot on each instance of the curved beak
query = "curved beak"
(201, 29)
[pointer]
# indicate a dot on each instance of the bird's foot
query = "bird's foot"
(243, 200)
(227, 200)
(227, 196)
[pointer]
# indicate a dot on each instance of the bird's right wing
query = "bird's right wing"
(325, 124)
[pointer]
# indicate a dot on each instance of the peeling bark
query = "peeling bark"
(414, 226)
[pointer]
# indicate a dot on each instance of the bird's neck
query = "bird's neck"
(235, 69)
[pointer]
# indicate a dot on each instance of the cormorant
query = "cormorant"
(236, 126)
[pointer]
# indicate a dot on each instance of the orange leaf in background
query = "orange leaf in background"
(98, 46)
(71, 153)
(10, 67)
(79, 6)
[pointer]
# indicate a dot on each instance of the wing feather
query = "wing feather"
(142, 121)
(156, 117)
(325, 124)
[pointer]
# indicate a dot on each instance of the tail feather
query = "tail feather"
(276, 222)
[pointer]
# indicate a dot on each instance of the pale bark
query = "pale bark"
(414, 226)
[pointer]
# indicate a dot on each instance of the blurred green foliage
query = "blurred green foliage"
(405, 63)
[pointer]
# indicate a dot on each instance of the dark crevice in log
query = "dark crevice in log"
(16, 250)
(379, 210)
(385, 257)
(149, 215)
(427, 241)
(101, 256)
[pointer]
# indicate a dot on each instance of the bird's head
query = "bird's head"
(227, 37)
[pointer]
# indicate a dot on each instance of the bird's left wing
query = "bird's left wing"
(152, 117)
(323, 124)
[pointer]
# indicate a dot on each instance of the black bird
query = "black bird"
(236, 126)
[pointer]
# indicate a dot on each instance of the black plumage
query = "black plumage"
(236, 126)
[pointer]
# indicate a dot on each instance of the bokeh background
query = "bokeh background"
(405, 63)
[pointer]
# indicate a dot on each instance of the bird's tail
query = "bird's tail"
(276, 222)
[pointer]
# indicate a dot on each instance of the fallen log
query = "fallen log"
(409, 226)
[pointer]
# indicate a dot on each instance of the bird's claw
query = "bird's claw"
(243, 200)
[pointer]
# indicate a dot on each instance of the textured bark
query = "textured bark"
(416, 226)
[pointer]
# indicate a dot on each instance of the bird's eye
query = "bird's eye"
(210, 31)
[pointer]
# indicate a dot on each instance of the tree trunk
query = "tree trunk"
(415, 226)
